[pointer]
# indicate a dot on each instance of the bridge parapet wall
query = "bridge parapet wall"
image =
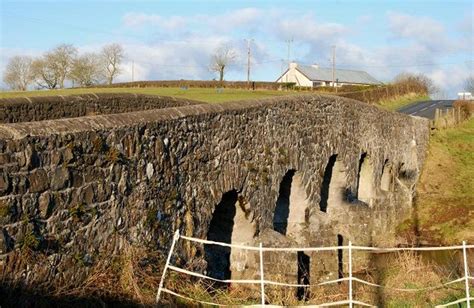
(40, 108)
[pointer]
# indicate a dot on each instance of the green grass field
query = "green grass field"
(200, 94)
(209, 95)
(445, 192)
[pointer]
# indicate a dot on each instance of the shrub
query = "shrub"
(261, 85)
(466, 106)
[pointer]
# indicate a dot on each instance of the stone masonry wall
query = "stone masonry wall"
(27, 109)
(79, 190)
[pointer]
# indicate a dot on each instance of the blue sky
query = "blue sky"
(175, 39)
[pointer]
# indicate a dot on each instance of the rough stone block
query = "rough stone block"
(59, 178)
(38, 180)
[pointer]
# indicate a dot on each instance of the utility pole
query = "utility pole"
(334, 66)
(289, 48)
(248, 62)
(133, 70)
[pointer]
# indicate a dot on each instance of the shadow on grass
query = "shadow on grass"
(26, 298)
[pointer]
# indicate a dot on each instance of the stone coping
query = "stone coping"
(10, 101)
(111, 121)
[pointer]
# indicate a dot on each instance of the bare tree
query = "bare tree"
(112, 55)
(222, 57)
(469, 84)
(63, 56)
(46, 72)
(86, 70)
(52, 69)
(19, 73)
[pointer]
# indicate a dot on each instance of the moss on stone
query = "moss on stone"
(29, 241)
(4, 209)
(78, 211)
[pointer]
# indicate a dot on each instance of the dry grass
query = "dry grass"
(466, 106)
(409, 270)
(134, 277)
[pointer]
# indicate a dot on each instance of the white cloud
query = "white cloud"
(241, 18)
(183, 45)
(133, 19)
(452, 77)
(246, 17)
(307, 28)
(423, 30)
(140, 72)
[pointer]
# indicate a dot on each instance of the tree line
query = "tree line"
(54, 67)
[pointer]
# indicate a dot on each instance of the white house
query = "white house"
(314, 76)
(465, 95)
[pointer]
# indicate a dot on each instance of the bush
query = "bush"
(416, 80)
(375, 95)
(261, 85)
(466, 106)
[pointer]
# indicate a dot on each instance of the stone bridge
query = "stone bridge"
(85, 177)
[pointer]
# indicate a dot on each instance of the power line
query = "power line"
(397, 65)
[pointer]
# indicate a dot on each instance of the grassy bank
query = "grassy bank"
(401, 101)
(210, 95)
(200, 94)
(445, 193)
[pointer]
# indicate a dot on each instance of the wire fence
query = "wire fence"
(350, 279)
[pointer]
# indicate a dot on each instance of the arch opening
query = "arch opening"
(220, 230)
(282, 209)
(333, 186)
(365, 179)
(292, 203)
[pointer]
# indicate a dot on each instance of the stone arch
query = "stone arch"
(291, 205)
(230, 224)
(365, 179)
(333, 185)
(386, 180)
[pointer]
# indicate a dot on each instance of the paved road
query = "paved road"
(426, 109)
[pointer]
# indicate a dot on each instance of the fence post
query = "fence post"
(350, 274)
(262, 284)
(175, 239)
(466, 274)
